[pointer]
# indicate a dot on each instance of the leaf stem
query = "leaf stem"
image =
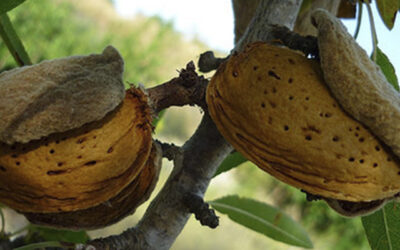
(359, 18)
(13, 42)
(373, 30)
(3, 222)
(387, 229)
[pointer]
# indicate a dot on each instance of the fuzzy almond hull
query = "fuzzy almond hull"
(273, 106)
(80, 168)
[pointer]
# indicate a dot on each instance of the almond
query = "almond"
(80, 168)
(273, 106)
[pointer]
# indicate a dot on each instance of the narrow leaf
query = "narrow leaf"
(359, 19)
(387, 68)
(52, 234)
(264, 219)
(13, 42)
(383, 227)
(388, 10)
(233, 160)
(7, 5)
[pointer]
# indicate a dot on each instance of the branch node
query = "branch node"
(208, 62)
(188, 75)
(169, 150)
(199, 208)
(306, 44)
(187, 89)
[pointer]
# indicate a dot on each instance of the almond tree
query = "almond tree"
(197, 161)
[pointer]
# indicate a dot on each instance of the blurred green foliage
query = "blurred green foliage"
(53, 28)
(52, 234)
(8, 5)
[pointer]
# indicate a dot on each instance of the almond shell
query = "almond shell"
(273, 106)
(113, 210)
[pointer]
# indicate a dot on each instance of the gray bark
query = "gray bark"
(268, 13)
(243, 11)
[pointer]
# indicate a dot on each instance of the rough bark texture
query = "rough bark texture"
(208, 62)
(243, 11)
(268, 13)
(188, 88)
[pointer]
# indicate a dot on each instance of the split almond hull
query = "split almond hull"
(273, 106)
(81, 168)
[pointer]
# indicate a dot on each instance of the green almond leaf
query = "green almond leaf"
(52, 234)
(388, 10)
(383, 227)
(12, 41)
(233, 160)
(7, 5)
(264, 219)
(387, 68)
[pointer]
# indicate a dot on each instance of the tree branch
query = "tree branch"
(188, 88)
(267, 14)
(208, 61)
(307, 44)
(201, 155)
(167, 213)
(243, 10)
(199, 208)
(169, 151)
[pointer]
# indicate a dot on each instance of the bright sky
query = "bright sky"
(212, 22)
